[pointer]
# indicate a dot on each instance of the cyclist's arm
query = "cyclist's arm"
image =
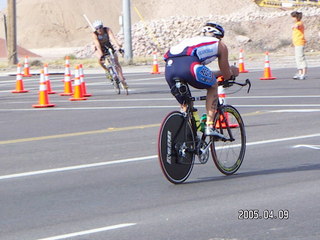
(97, 44)
(226, 70)
(113, 39)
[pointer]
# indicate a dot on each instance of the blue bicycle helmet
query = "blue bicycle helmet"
(213, 28)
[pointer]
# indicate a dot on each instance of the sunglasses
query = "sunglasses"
(99, 27)
(208, 29)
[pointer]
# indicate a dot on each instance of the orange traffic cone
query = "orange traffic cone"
(223, 120)
(26, 69)
(241, 63)
(19, 82)
(67, 80)
(67, 67)
(267, 70)
(155, 67)
(77, 96)
(43, 94)
(46, 78)
(83, 83)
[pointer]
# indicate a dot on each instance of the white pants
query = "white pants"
(300, 57)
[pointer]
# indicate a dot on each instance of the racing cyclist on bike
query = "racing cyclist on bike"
(102, 38)
(187, 61)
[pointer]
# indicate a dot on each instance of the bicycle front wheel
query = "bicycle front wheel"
(116, 84)
(125, 88)
(114, 80)
(176, 144)
(228, 154)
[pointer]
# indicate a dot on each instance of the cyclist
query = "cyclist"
(102, 38)
(187, 61)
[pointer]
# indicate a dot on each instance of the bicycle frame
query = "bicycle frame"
(111, 61)
(224, 120)
(189, 100)
(188, 115)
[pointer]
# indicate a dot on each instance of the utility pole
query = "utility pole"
(11, 37)
(127, 31)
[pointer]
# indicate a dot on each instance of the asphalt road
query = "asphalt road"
(88, 170)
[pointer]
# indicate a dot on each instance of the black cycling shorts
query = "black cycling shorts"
(183, 68)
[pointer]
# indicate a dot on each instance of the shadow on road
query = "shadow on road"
(302, 168)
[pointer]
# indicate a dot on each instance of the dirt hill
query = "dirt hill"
(60, 23)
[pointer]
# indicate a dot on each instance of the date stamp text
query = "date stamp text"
(267, 214)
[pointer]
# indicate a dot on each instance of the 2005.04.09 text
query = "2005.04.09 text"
(248, 214)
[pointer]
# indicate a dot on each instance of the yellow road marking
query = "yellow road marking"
(254, 113)
(96, 132)
(78, 134)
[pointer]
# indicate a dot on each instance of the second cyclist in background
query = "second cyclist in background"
(104, 39)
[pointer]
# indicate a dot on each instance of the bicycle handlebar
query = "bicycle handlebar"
(230, 82)
(225, 84)
(110, 53)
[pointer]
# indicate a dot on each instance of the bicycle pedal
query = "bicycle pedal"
(222, 139)
(124, 86)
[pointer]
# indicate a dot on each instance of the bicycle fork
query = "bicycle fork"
(223, 123)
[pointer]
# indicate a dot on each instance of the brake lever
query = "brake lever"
(248, 83)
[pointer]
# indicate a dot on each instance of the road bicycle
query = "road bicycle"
(113, 75)
(181, 138)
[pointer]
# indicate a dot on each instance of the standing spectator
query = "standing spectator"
(299, 43)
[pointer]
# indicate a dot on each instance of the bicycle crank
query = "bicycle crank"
(203, 153)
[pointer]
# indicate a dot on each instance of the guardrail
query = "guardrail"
(288, 3)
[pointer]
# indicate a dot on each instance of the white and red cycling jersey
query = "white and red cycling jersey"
(203, 47)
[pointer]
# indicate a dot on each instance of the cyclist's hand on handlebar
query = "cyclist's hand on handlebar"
(121, 51)
(102, 58)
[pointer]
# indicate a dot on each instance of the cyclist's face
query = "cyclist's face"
(99, 29)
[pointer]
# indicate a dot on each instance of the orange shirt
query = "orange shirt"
(298, 34)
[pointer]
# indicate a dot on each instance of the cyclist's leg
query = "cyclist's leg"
(205, 79)
(119, 69)
(179, 68)
(101, 62)
(211, 102)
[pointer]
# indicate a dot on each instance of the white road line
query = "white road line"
(284, 139)
(110, 100)
(274, 97)
(279, 105)
(77, 167)
(91, 231)
(317, 147)
(89, 108)
(167, 106)
(296, 111)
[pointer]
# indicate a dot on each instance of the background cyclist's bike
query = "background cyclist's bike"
(113, 76)
(181, 137)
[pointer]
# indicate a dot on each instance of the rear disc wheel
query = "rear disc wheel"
(175, 142)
